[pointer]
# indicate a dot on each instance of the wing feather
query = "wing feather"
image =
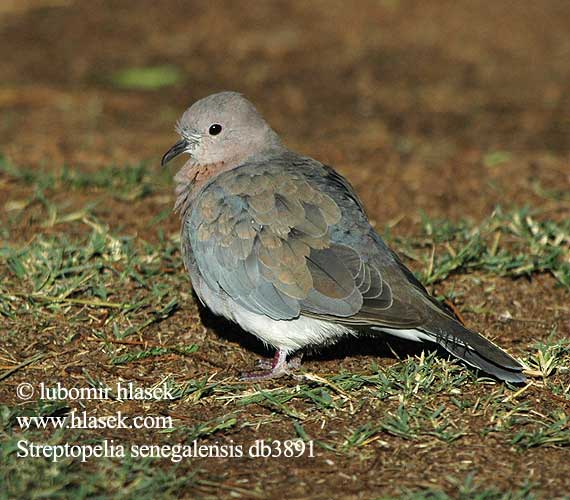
(269, 239)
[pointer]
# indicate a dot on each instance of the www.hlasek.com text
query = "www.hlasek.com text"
(81, 420)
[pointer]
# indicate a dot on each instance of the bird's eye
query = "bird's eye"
(215, 129)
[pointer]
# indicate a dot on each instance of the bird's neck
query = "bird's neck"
(191, 178)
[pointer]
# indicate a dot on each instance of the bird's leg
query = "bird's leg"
(278, 367)
(264, 363)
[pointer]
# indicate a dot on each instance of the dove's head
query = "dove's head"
(222, 128)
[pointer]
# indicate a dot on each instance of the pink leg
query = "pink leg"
(274, 369)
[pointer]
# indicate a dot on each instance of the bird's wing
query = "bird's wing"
(412, 305)
(265, 235)
(433, 321)
(290, 237)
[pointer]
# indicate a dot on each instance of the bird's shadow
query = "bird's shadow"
(362, 345)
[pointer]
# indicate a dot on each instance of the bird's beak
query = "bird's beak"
(188, 144)
(180, 147)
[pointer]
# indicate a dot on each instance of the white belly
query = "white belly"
(289, 335)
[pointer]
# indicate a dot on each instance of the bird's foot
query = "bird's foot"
(277, 367)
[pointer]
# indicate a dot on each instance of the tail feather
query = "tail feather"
(476, 350)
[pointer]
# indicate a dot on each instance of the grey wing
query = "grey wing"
(268, 237)
(411, 306)
(263, 237)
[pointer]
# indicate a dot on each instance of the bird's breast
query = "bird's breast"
(190, 179)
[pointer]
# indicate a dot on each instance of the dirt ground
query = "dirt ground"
(442, 108)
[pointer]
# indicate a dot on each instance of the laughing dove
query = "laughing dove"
(281, 245)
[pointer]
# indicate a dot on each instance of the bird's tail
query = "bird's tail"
(476, 350)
